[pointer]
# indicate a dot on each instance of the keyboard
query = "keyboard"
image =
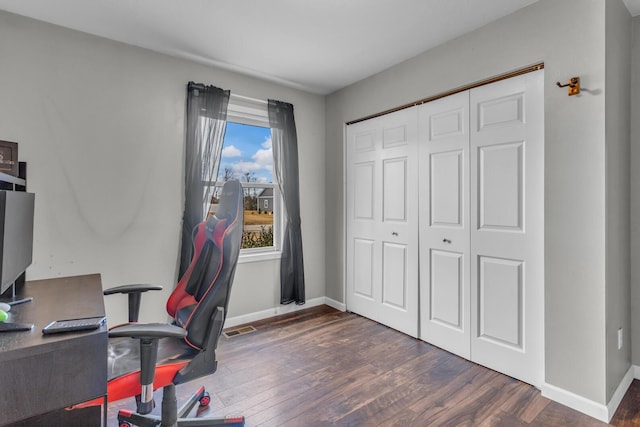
(70, 325)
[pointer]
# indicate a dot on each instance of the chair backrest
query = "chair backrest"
(206, 284)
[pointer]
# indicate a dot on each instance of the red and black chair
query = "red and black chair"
(145, 357)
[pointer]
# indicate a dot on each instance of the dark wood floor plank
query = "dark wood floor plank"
(446, 402)
(311, 401)
(323, 367)
(502, 419)
(628, 413)
(529, 405)
(556, 414)
(477, 405)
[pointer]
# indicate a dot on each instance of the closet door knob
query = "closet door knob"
(446, 241)
(394, 233)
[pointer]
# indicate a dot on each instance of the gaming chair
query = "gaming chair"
(163, 355)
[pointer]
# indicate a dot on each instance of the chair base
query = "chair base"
(172, 417)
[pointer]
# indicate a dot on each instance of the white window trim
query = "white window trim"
(248, 111)
(251, 111)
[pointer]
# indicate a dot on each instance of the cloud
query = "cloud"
(231, 151)
(264, 157)
(259, 165)
(241, 168)
(262, 160)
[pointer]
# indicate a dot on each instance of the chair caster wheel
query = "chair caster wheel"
(125, 424)
(205, 399)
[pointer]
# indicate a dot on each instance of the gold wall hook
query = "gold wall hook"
(573, 86)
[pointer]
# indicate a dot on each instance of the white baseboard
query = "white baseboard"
(636, 372)
(574, 401)
(335, 304)
(617, 397)
(589, 407)
(282, 309)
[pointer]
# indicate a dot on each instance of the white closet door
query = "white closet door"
(382, 237)
(443, 147)
(507, 226)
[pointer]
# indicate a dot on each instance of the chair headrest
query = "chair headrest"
(230, 200)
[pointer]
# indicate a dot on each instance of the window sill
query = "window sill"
(251, 256)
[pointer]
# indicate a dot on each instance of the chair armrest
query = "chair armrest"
(134, 292)
(127, 289)
(148, 331)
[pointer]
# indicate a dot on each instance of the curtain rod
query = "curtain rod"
(232, 95)
(249, 99)
(193, 85)
(494, 79)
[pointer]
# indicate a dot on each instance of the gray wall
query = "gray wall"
(101, 125)
(575, 169)
(635, 192)
(619, 30)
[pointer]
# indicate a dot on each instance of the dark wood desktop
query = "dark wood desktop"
(40, 374)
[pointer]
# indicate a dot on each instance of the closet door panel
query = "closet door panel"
(394, 198)
(501, 186)
(507, 226)
(447, 289)
(500, 303)
(446, 177)
(443, 151)
(382, 238)
(363, 199)
(394, 275)
(363, 268)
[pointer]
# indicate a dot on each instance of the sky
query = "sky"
(247, 149)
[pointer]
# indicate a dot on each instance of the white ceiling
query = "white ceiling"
(315, 45)
(633, 6)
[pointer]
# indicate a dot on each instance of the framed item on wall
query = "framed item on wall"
(9, 157)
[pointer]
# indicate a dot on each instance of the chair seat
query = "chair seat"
(123, 370)
(124, 354)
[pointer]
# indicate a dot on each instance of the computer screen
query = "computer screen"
(16, 235)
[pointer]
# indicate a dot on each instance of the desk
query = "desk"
(40, 374)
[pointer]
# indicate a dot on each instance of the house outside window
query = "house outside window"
(265, 201)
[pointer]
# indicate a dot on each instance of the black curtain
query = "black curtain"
(285, 158)
(206, 124)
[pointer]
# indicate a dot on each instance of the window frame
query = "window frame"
(253, 112)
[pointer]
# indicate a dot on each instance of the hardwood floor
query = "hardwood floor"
(628, 413)
(323, 367)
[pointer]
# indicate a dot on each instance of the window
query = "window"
(247, 157)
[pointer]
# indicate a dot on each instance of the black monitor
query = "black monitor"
(16, 235)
